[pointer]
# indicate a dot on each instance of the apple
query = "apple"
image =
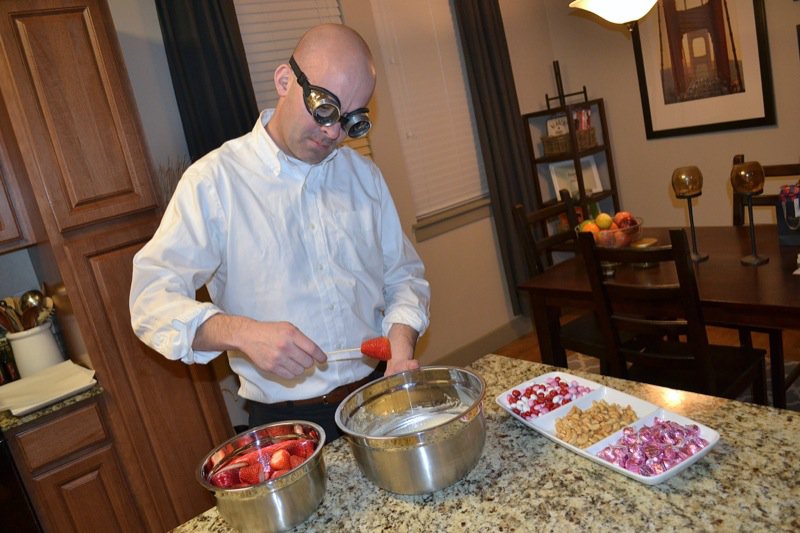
(606, 239)
(588, 225)
(603, 221)
(621, 239)
(623, 219)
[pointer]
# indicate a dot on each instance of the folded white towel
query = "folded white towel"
(46, 387)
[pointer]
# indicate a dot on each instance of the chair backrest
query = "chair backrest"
(542, 232)
(661, 304)
(790, 171)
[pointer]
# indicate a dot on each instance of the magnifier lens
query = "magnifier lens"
(358, 128)
(326, 114)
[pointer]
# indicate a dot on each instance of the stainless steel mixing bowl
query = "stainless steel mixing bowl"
(276, 505)
(416, 432)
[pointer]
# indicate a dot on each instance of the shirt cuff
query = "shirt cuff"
(177, 342)
(404, 316)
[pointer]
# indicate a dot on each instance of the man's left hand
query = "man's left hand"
(403, 339)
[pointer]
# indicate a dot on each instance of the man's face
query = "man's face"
(296, 131)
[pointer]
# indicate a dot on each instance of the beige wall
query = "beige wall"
(471, 313)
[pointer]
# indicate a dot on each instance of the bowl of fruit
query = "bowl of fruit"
(269, 478)
(613, 231)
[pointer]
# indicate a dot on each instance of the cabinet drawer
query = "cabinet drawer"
(61, 436)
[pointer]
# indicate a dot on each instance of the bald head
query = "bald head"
(338, 47)
(333, 57)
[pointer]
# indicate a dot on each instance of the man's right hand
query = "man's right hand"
(277, 347)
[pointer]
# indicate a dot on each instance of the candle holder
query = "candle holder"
(748, 180)
(687, 182)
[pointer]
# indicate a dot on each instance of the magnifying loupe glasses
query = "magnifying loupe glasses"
(325, 108)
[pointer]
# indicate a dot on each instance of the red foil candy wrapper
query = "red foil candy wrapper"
(652, 450)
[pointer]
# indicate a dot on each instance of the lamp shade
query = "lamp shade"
(616, 11)
(687, 182)
(747, 177)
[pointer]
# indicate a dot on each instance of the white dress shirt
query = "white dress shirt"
(277, 239)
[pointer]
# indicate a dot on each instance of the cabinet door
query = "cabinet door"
(88, 494)
(9, 229)
(20, 223)
(72, 471)
(167, 414)
(72, 110)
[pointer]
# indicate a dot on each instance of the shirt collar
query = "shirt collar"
(279, 157)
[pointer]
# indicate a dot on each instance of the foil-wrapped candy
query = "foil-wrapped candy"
(652, 450)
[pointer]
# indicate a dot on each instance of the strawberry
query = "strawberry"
(304, 448)
(280, 460)
(278, 473)
(295, 461)
(377, 348)
(226, 478)
(253, 474)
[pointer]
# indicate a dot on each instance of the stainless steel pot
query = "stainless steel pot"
(276, 505)
(416, 432)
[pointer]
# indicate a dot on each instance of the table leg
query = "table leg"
(548, 327)
(776, 366)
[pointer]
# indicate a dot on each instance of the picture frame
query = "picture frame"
(558, 125)
(704, 94)
(564, 176)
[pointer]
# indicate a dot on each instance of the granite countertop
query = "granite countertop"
(749, 481)
(9, 421)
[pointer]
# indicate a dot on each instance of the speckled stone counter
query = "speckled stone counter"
(750, 481)
(8, 421)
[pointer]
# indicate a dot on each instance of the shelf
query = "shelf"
(597, 159)
(567, 156)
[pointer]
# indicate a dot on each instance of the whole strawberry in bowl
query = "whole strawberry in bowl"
(267, 478)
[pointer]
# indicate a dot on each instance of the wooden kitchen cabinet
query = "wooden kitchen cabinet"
(19, 226)
(72, 471)
(82, 152)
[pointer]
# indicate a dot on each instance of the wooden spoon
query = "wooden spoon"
(6, 323)
(30, 317)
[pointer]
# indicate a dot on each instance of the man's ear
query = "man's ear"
(283, 75)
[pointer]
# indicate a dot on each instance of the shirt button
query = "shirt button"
(313, 227)
(321, 267)
(331, 307)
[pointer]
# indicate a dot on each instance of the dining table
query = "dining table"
(525, 481)
(731, 294)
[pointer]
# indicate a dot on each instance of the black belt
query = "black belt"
(336, 395)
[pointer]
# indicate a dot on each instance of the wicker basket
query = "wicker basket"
(559, 144)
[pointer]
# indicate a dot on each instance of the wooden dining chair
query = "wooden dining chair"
(542, 233)
(780, 381)
(661, 309)
(790, 173)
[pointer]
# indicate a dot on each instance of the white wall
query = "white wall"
(142, 46)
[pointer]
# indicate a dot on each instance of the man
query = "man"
(298, 242)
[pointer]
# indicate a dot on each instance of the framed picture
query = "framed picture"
(557, 126)
(715, 77)
(564, 176)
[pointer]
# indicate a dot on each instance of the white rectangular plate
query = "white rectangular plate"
(645, 411)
